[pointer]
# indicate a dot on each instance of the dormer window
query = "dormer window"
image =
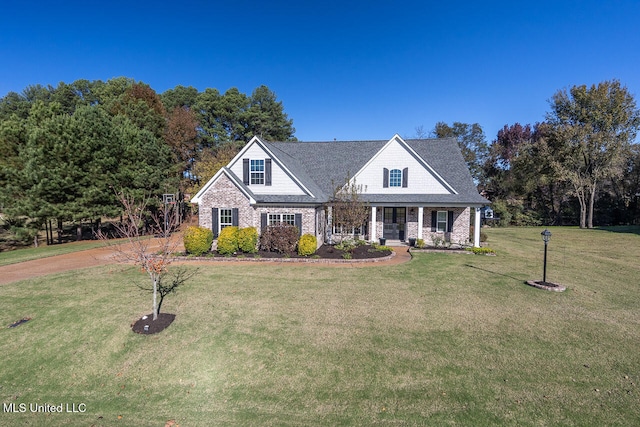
(257, 171)
(395, 178)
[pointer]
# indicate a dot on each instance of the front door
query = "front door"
(394, 223)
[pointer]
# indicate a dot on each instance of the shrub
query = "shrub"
(197, 240)
(279, 238)
(228, 241)
(482, 251)
(307, 245)
(420, 243)
(248, 240)
(347, 245)
(380, 248)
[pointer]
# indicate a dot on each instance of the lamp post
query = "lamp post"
(546, 236)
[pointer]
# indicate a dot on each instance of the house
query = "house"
(414, 188)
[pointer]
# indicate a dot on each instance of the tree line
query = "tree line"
(580, 166)
(67, 151)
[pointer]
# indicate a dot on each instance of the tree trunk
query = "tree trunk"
(583, 210)
(78, 232)
(59, 231)
(592, 198)
(155, 298)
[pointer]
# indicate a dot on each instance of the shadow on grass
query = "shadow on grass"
(493, 272)
(628, 229)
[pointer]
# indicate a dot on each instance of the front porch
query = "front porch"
(433, 224)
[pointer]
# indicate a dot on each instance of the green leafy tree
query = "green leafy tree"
(593, 128)
(179, 97)
(266, 117)
(472, 142)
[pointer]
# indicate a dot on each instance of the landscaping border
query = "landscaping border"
(293, 260)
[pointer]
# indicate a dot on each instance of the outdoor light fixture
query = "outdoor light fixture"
(546, 236)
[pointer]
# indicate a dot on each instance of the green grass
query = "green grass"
(446, 339)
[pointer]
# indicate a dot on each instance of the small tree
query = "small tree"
(152, 254)
(349, 210)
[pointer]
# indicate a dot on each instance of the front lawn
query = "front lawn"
(441, 340)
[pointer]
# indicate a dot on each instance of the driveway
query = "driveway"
(103, 256)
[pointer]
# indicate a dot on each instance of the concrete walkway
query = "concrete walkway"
(103, 256)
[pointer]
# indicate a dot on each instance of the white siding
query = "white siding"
(395, 156)
(281, 183)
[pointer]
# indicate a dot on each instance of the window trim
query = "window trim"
(439, 221)
(222, 213)
(277, 218)
(395, 178)
(256, 172)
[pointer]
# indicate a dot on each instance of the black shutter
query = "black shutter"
(234, 217)
(214, 222)
(297, 219)
(245, 171)
(405, 177)
(385, 178)
(450, 221)
(267, 171)
(263, 222)
(434, 220)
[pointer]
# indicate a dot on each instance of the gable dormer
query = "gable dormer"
(397, 169)
(263, 173)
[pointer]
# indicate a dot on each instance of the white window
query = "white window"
(344, 230)
(257, 171)
(278, 218)
(226, 218)
(395, 178)
(441, 224)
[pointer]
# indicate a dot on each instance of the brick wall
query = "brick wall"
(224, 194)
(460, 232)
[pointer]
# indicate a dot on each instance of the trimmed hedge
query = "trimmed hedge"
(248, 240)
(228, 241)
(197, 240)
(307, 245)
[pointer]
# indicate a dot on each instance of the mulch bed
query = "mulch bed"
(547, 286)
(155, 326)
(323, 252)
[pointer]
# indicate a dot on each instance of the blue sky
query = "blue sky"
(348, 70)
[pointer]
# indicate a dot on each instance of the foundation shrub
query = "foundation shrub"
(279, 238)
(307, 245)
(248, 240)
(197, 240)
(228, 241)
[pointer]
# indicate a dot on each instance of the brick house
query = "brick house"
(415, 188)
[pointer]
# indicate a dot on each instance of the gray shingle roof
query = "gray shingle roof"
(322, 166)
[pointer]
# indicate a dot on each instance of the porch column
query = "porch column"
(420, 219)
(329, 225)
(476, 229)
(372, 237)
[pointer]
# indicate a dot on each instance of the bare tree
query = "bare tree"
(349, 210)
(147, 243)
